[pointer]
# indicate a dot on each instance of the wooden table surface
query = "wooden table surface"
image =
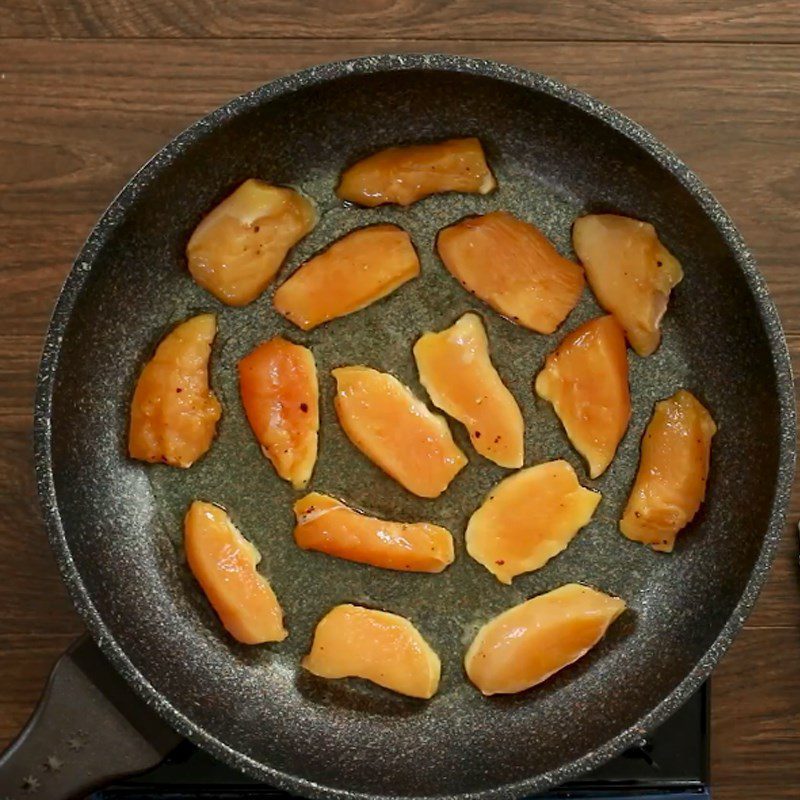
(91, 88)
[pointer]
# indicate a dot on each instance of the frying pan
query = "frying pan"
(115, 524)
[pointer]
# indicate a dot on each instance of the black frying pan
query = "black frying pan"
(115, 524)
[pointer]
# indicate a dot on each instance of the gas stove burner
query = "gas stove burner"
(671, 763)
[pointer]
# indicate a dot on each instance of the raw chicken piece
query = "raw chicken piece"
(404, 175)
(396, 431)
(512, 266)
(329, 526)
(278, 384)
(525, 645)
(528, 518)
(237, 249)
(586, 380)
(224, 564)
(456, 370)
(671, 482)
(174, 413)
(631, 273)
(356, 642)
(355, 271)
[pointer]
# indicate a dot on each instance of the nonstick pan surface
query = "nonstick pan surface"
(115, 524)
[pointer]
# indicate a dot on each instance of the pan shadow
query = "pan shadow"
(352, 694)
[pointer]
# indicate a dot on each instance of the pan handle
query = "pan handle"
(89, 728)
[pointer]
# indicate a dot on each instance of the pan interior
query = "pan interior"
(122, 519)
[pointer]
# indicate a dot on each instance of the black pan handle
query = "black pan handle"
(89, 728)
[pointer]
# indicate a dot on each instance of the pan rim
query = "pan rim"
(319, 75)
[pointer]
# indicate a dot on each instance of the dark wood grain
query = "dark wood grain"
(755, 729)
(621, 20)
(25, 662)
(78, 117)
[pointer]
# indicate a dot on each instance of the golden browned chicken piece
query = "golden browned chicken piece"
(396, 431)
(456, 370)
(352, 273)
(174, 413)
(278, 384)
(329, 526)
(528, 518)
(356, 642)
(631, 273)
(586, 380)
(670, 485)
(404, 175)
(224, 564)
(525, 645)
(512, 266)
(237, 250)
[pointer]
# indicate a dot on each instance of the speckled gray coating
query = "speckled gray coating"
(115, 524)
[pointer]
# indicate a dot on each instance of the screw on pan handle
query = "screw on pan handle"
(88, 729)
